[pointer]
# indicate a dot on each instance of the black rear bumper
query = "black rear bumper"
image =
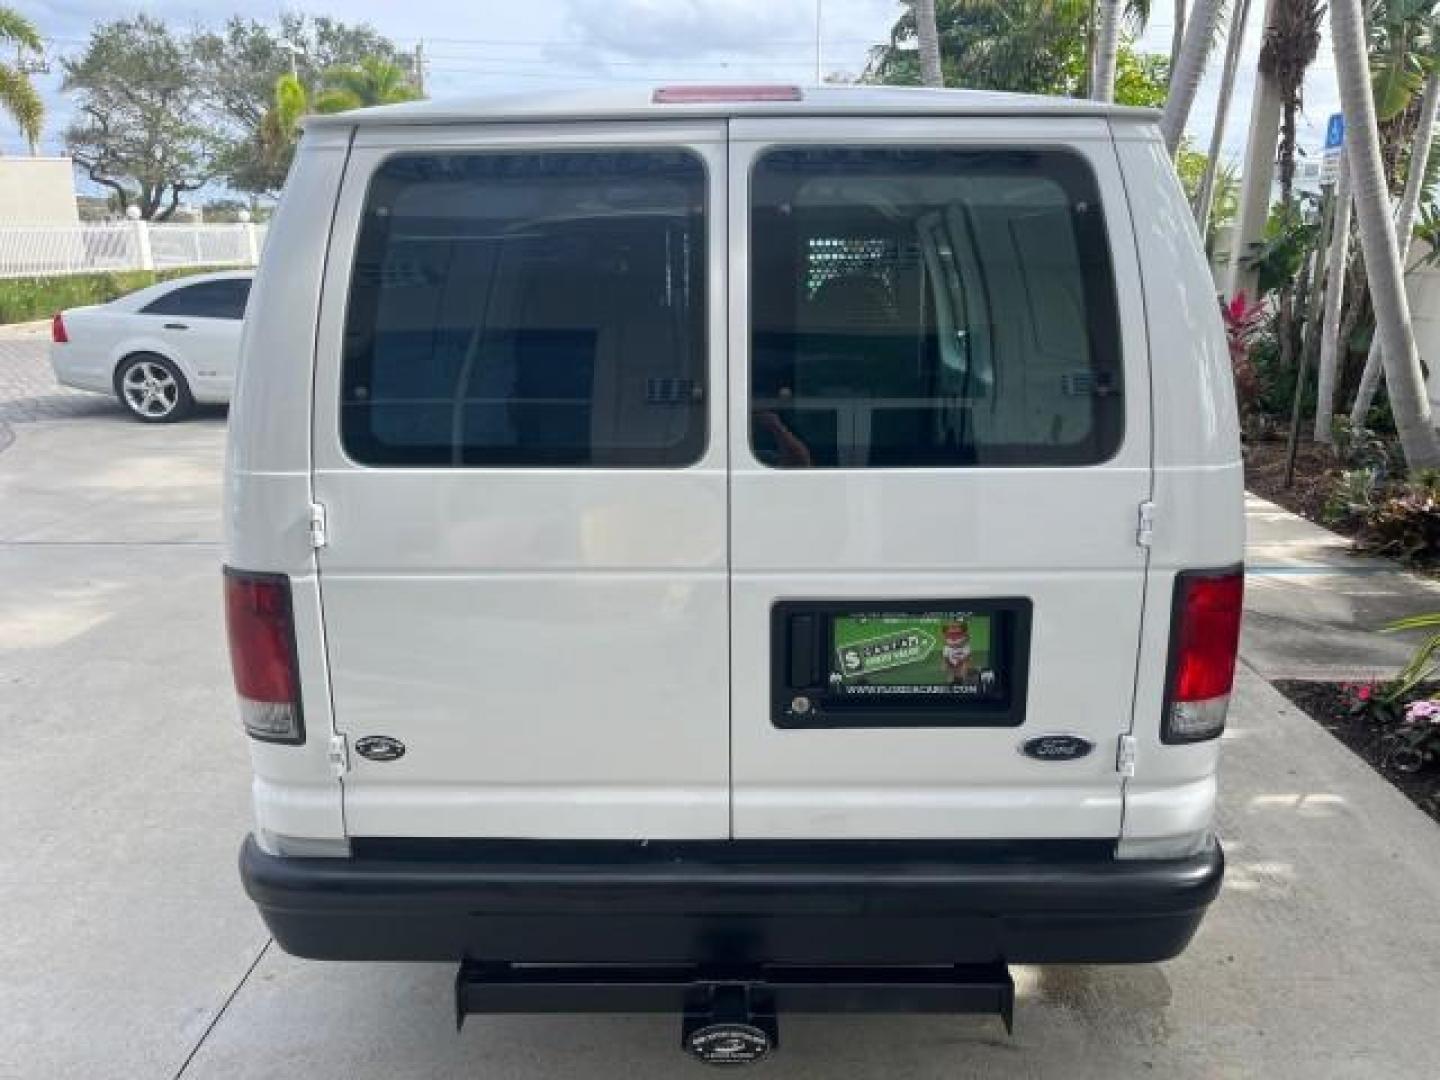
(791, 903)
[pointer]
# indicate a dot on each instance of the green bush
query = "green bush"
(26, 298)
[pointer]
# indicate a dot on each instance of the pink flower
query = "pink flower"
(1423, 712)
(1364, 692)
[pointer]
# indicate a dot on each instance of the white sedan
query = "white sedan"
(159, 350)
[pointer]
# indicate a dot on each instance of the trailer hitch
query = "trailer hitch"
(730, 1014)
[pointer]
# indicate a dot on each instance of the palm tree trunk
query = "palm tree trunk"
(1177, 33)
(1107, 46)
(1334, 295)
(1404, 227)
(1185, 79)
(929, 37)
(1408, 402)
(1205, 197)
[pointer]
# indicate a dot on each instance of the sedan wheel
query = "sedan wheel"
(153, 389)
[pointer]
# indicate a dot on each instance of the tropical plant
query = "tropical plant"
(1291, 42)
(18, 97)
(374, 80)
(1244, 322)
(1027, 46)
(929, 40)
(1204, 200)
(240, 65)
(1424, 662)
(1404, 228)
(1405, 524)
(1185, 77)
(1350, 496)
(1405, 377)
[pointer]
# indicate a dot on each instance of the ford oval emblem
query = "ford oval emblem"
(728, 1044)
(1056, 747)
(380, 748)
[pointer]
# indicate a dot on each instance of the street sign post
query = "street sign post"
(1330, 157)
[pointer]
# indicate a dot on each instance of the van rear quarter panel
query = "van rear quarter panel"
(1199, 484)
(267, 492)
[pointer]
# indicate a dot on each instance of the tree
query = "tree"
(141, 129)
(1404, 375)
(929, 39)
(1334, 297)
(241, 65)
(1205, 192)
(1404, 227)
(1289, 47)
(373, 81)
(1107, 43)
(1025, 46)
(1196, 169)
(18, 97)
(1185, 78)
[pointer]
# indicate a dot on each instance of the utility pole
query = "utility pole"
(420, 66)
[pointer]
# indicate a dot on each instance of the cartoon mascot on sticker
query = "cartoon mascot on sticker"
(957, 651)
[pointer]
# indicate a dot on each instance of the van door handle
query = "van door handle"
(176, 326)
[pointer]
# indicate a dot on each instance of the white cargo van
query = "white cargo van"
(734, 549)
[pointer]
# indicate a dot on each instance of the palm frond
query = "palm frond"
(16, 28)
(20, 100)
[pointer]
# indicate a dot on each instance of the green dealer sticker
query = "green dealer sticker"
(877, 654)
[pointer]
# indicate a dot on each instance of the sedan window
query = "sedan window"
(224, 299)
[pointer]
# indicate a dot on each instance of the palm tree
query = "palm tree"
(373, 81)
(1404, 227)
(1185, 79)
(1406, 379)
(1205, 197)
(18, 96)
(1107, 45)
(1292, 40)
(1334, 301)
(929, 38)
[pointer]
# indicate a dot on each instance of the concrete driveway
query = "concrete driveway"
(129, 951)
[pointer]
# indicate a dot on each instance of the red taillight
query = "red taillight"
(1204, 639)
(57, 329)
(701, 95)
(261, 628)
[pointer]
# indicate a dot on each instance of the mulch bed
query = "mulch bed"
(1314, 465)
(1328, 705)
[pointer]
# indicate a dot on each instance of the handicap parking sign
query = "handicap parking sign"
(1335, 131)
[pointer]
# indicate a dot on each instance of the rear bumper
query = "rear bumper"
(697, 904)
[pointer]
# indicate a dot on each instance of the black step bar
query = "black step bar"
(732, 1011)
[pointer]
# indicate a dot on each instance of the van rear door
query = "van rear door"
(940, 408)
(522, 468)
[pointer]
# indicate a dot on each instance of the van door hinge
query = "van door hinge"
(319, 535)
(1145, 530)
(1125, 756)
(339, 756)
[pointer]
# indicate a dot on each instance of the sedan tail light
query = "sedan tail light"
(57, 329)
(261, 627)
(1204, 638)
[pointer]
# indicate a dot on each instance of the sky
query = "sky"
(476, 45)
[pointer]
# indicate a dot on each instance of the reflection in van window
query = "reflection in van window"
(543, 309)
(918, 307)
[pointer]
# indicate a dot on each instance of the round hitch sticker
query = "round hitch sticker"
(379, 748)
(728, 1044)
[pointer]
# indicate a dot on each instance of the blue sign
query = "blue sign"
(1335, 131)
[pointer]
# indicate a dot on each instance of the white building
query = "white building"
(37, 191)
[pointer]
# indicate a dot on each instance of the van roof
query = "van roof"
(638, 102)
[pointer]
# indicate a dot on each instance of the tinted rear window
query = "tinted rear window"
(929, 307)
(223, 299)
(529, 309)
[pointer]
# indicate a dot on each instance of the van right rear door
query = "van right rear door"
(941, 445)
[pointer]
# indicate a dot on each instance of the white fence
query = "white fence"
(125, 245)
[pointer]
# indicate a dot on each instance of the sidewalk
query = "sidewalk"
(1312, 609)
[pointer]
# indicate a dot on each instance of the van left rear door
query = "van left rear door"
(522, 464)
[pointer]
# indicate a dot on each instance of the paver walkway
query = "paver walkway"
(1313, 610)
